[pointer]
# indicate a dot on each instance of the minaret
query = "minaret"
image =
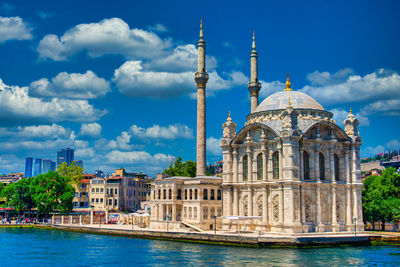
(254, 85)
(201, 78)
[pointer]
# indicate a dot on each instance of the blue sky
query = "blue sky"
(114, 79)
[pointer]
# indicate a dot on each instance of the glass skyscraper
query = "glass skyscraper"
(48, 165)
(29, 167)
(65, 155)
(37, 167)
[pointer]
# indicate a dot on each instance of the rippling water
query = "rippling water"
(35, 247)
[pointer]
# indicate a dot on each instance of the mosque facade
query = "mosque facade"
(291, 168)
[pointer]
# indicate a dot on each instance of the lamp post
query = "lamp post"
(355, 225)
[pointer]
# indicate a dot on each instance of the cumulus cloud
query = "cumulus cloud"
(393, 144)
(213, 147)
(183, 58)
(85, 153)
(123, 141)
(171, 132)
(14, 28)
(158, 28)
(138, 157)
(132, 80)
(90, 129)
(339, 115)
(372, 151)
(71, 85)
(16, 106)
(10, 163)
(379, 85)
(109, 36)
(44, 145)
(37, 131)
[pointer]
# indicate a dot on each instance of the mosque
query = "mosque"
(290, 169)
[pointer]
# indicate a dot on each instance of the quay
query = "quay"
(249, 239)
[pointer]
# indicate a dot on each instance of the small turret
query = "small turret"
(254, 85)
(351, 125)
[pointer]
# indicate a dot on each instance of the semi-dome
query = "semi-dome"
(280, 100)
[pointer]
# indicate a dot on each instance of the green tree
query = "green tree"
(179, 168)
(52, 192)
(72, 172)
(18, 195)
(381, 197)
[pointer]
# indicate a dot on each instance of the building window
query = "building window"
(110, 202)
(115, 191)
(205, 213)
(165, 193)
(159, 193)
(170, 193)
(101, 200)
(92, 200)
(205, 194)
(260, 166)
(321, 166)
(92, 190)
(195, 194)
(306, 165)
(219, 194)
(185, 193)
(212, 195)
(336, 162)
(108, 191)
(179, 195)
(191, 194)
(245, 168)
(97, 200)
(115, 202)
(101, 190)
(97, 190)
(275, 164)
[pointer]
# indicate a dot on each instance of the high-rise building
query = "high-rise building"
(29, 167)
(48, 165)
(65, 155)
(37, 167)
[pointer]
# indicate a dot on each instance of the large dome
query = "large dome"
(280, 100)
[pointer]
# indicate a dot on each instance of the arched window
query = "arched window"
(212, 195)
(179, 195)
(159, 193)
(306, 165)
(191, 194)
(275, 164)
(245, 168)
(336, 162)
(195, 194)
(219, 195)
(260, 166)
(321, 166)
(185, 193)
(170, 193)
(205, 194)
(165, 193)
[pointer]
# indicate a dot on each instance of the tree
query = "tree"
(51, 192)
(381, 197)
(179, 168)
(18, 195)
(72, 172)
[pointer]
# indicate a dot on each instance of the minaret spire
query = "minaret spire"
(201, 78)
(254, 85)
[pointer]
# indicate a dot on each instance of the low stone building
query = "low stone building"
(185, 201)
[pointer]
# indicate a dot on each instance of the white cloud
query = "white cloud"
(37, 131)
(393, 144)
(269, 88)
(317, 78)
(183, 58)
(213, 147)
(171, 132)
(379, 85)
(90, 129)
(44, 145)
(339, 115)
(389, 107)
(109, 36)
(45, 15)
(14, 28)
(158, 28)
(71, 85)
(121, 142)
(138, 157)
(85, 153)
(372, 151)
(11, 163)
(132, 80)
(17, 106)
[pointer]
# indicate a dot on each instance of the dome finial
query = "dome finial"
(229, 116)
(351, 111)
(288, 84)
(253, 45)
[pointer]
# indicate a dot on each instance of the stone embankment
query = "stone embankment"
(250, 239)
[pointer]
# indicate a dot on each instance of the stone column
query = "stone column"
(229, 202)
(334, 218)
(250, 201)
(265, 206)
(264, 160)
(346, 166)
(269, 166)
(332, 163)
(318, 208)
(201, 78)
(302, 207)
(80, 219)
(173, 212)
(355, 206)
(91, 217)
(349, 218)
(235, 165)
(235, 202)
(301, 165)
(281, 159)
(250, 166)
